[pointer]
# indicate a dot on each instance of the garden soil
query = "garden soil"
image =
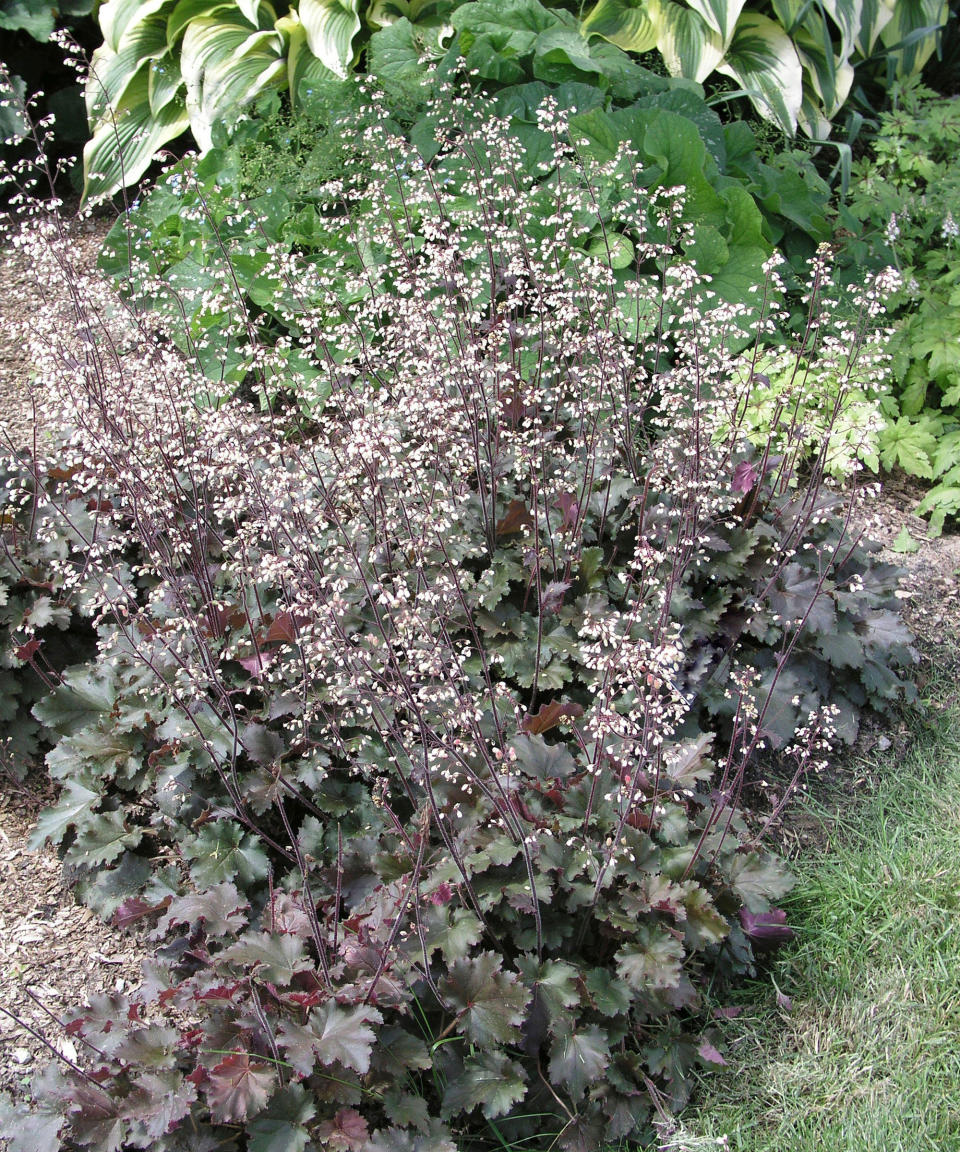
(54, 953)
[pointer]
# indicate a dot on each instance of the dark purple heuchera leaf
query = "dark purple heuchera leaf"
(275, 958)
(550, 716)
(579, 1058)
(220, 908)
(745, 477)
(135, 909)
(158, 1101)
(515, 519)
(238, 1087)
(331, 1035)
(770, 927)
(491, 1081)
(551, 599)
(346, 1132)
(490, 1003)
(569, 506)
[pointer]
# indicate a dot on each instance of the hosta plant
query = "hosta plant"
(419, 725)
(166, 66)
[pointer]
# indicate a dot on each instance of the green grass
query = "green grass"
(867, 1059)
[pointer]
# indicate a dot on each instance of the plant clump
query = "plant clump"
(423, 710)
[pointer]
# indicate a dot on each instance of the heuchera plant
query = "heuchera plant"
(408, 702)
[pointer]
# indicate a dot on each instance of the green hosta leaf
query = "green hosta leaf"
(221, 851)
(579, 1058)
(653, 960)
(282, 1127)
(764, 62)
(111, 73)
(102, 840)
(630, 24)
(874, 17)
(239, 1087)
(126, 139)
(489, 1003)
(165, 82)
(225, 63)
(687, 43)
(758, 878)
(75, 803)
(331, 26)
(491, 1081)
(273, 957)
(187, 10)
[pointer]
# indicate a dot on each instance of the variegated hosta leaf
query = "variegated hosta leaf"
(119, 17)
(166, 81)
(721, 15)
(764, 62)
(790, 13)
(383, 13)
(687, 43)
(331, 26)
(112, 71)
(303, 68)
(630, 24)
(225, 64)
(125, 142)
(810, 119)
(848, 17)
(874, 17)
(829, 77)
(910, 16)
(188, 10)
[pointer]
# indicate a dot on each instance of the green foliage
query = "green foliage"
(165, 66)
(735, 207)
(905, 211)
